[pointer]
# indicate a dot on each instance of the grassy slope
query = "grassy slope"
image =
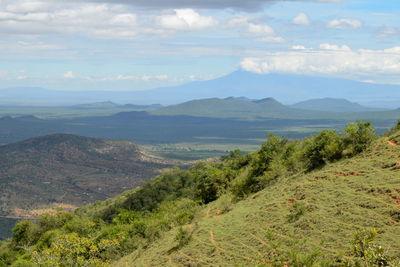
(358, 193)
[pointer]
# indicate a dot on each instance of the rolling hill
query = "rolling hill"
(243, 108)
(332, 105)
(62, 169)
(232, 107)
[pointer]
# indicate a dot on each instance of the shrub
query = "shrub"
(82, 226)
(243, 185)
(358, 136)
(209, 182)
(327, 146)
(52, 221)
(26, 233)
(367, 253)
(270, 150)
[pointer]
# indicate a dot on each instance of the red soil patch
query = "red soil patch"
(290, 202)
(219, 213)
(212, 239)
(391, 143)
(348, 174)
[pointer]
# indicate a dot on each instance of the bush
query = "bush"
(367, 253)
(52, 221)
(270, 150)
(327, 146)
(209, 182)
(26, 233)
(358, 136)
(82, 226)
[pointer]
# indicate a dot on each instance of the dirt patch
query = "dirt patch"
(391, 143)
(218, 213)
(212, 240)
(347, 174)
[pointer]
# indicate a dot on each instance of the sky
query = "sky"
(143, 44)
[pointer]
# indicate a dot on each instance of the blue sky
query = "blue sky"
(137, 45)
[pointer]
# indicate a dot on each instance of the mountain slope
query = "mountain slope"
(297, 221)
(332, 105)
(68, 169)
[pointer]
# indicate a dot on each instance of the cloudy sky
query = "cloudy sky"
(141, 44)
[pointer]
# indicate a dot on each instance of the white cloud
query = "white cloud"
(302, 19)
(299, 47)
(186, 19)
(259, 29)
(334, 47)
(27, 6)
(329, 60)
(344, 24)
(272, 40)
(238, 21)
(69, 75)
(385, 32)
(34, 19)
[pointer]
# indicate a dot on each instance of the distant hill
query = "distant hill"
(69, 169)
(332, 105)
(112, 105)
(287, 88)
(96, 105)
(232, 107)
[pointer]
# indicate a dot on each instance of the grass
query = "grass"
(334, 202)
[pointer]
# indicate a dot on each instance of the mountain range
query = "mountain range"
(244, 108)
(287, 88)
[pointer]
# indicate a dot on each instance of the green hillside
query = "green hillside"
(333, 105)
(232, 107)
(330, 200)
(243, 108)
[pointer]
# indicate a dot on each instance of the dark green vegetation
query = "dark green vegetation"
(69, 169)
(330, 200)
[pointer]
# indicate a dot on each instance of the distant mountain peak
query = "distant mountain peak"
(266, 100)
